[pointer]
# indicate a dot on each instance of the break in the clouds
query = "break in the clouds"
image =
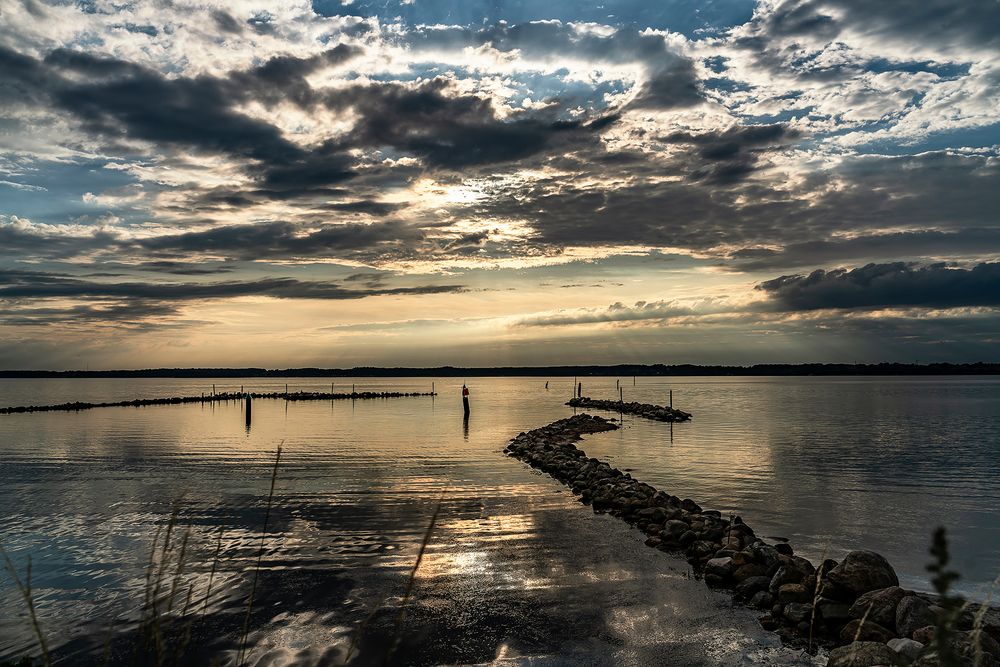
(731, 178)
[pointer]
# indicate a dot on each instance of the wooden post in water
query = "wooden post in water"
(249, 409)
(579, 390)
(621, 395)
(432, 388)
(671, 399)
(465, 400)
(213, 391)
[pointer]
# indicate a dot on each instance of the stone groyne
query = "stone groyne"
(216, 398)
(648, 410)
(855, 606)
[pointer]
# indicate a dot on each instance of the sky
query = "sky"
(480, 183)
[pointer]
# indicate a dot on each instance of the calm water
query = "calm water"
(830, 463)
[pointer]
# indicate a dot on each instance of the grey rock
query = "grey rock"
(761, 600)
(863, 654)
(907, 648)
(913, 613)
(863, 571)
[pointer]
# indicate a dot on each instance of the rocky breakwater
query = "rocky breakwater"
(648, 410)
(854, 607)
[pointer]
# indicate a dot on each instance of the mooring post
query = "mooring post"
(241, 389)
(249, 408)
(671, 399)
(331, 387)
(432, 388)
(352, 391)
(621, 395)
(574, 381)
(465, 400)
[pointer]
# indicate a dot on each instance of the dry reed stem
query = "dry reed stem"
(409, 585)
(260, 557)
(24, 588)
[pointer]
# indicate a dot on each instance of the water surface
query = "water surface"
(830, 463)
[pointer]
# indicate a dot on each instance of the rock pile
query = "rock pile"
(648, 410)
(214, 398)
(854, 606)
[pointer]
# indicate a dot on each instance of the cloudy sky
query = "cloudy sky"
(472, 182)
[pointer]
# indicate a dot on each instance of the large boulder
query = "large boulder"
(882, 603)
(863, 654)
(863, 571)
(913, 613)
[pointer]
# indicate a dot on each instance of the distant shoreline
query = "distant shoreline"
(621, 370)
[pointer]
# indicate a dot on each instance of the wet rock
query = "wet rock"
(750, 586)
(689, 505)
(863, 654)
(764, 554)
(863, 571)
(869, 632)
(913, 613)
(784, 548)
(653, 541)
(883, 602)
(761, 600)
(908, 649)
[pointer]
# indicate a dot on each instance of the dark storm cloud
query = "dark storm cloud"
(455, 131)
(733, 153)
(655, 203)
(888, 285)
(275, 240)
(927, 243)
(278, 288)
(127, 312)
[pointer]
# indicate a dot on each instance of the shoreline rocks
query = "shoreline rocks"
(648, 410)
(854, 606)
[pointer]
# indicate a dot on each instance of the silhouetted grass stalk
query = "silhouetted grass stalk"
(24, 588)
(260, 557)
(409, 585)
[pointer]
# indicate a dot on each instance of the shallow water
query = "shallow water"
(831, 463)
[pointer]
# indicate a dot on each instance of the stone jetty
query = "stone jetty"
(658, 413)
(854, 607)
(216, 398)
